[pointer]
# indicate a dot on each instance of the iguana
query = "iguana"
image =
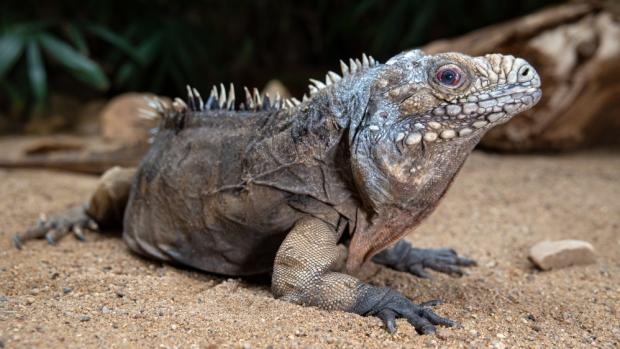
(289, 187)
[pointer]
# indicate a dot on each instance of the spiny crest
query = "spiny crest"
(221, 99)
(331, 78)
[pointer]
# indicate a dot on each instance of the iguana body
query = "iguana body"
(279, 186)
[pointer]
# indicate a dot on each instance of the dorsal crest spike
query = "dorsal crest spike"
(179, 105)
(333, 76)
(328, 80)
(222, 100)
(319, 85)
(249, 101)
(258, 101)
(352, 66)
(288, 104)
(199, 102)
(365, 62)
(344, 67)
(230, 102)
(212, 102)
(190, 98)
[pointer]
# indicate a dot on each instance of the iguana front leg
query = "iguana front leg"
(105, 207)
(303, 274)
(403, 257)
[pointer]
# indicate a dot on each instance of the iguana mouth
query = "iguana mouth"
(490, 106)
(479, 111)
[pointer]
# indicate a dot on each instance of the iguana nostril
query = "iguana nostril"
(525, 71)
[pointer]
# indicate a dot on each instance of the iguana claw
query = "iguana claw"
(393, 305)
(403, 257)
(74, 220)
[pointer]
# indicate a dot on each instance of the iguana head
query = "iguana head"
(423, 115)
(425, 109)
(449, 96)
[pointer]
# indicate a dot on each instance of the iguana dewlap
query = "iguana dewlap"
(277, 185)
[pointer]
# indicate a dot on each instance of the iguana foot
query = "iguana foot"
(403, 257)
(74, 220)
(388, 305)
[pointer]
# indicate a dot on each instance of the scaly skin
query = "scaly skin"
(278, 185)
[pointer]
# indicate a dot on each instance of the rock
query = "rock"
(275, 87)
(563, 253)
(88, 117)
(121, 120)
(85, 318)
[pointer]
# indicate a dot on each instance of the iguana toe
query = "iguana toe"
(393, 305)
(73, 221)
(404, 257)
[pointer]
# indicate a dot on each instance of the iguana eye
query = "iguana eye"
(449, 76)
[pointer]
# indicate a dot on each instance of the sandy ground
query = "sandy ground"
(97, 294)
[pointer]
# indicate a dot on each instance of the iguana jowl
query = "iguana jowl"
(281, 185)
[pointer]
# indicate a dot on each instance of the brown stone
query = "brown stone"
(121, 121)
(563, 253)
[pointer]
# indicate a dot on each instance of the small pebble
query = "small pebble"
(85, 318)
(67, 290)
(499, 345)
(105, 310)
(443, 333)
(563, 253)
(4, 299)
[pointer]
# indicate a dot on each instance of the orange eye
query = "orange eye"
(449, 77)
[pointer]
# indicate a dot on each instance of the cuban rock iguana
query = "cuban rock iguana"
(283, 186)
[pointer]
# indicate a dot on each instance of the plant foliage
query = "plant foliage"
(88, 47)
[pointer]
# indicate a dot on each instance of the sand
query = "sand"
(98, 294)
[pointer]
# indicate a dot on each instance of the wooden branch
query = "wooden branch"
(576, 50)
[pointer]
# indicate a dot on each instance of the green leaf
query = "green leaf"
(16, 98)
(147, 51)
(116, 40)
(78, 39)
(36, 72)
(80, 66)
(11, 47)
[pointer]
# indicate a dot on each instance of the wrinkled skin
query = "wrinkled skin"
(281, 190)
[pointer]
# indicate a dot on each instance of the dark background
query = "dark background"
(89, 49)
